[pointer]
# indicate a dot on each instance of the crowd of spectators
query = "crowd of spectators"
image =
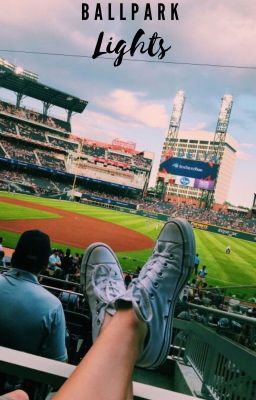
(213, 298)
(36, 133)
(108, 156)
(198, 293)
(226, 219)
(139, 161)
(64, 265)
(7, 126)
(31, 132)
(105, 195)
(24, 182)
(48, 159)
(29, 153)
(25, 113)
(120, 158)
(63, 144)
(19, 151)
(93, 150)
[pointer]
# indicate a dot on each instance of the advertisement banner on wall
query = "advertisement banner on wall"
(190, 168)
(204, 184)
(185, 181)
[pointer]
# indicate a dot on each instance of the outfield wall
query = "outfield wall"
(224, 231)
(198, 225)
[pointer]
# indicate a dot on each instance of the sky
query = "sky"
(134, 101)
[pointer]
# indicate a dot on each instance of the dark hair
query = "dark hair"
(32, 251)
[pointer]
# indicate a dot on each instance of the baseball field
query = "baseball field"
(75, 225)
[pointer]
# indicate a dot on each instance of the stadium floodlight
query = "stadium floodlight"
(174, 126)
(220, 139)
(19, 70)
(6, 64)
(172, 134)
(224, 114)
(178, 105)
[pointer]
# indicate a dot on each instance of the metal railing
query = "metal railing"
(48, 375)
(226, 369)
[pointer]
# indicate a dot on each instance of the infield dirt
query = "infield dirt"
(77, 230)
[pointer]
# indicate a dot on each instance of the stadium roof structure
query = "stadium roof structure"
(32, 88)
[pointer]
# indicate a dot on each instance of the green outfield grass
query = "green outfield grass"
(237, 268)
(12, 211)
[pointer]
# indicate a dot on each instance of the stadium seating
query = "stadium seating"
(140, 162)
(34, 116)
(7, 126)
(24, 182)
(19, 151)
(93, 151)
(105, 163)
(63, 144)
(2, 152)
(48, 159)
(31, 132)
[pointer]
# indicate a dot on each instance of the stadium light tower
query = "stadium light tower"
(174, 126)
(172, 134)
(220, 139)
(222, 127)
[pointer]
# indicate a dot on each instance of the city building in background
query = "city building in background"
(198, 146)
(196, 167)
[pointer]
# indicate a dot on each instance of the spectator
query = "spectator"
(127, 279)
(54, 261)
(197, 262)
(67, 262)
(2, 259)
(70, 299)
(201, 276)
(31, 319)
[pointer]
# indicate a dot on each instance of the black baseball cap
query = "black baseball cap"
(32, 251)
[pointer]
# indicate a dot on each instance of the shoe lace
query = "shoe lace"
(107, 286)
(140, 301)
(140, 295)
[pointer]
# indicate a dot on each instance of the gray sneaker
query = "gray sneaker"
(155, 291)
(102, 281)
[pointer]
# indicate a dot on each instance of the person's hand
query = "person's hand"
(15, 395)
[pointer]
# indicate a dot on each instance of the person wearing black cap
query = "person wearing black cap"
(31, 319)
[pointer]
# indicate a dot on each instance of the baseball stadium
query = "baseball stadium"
(80, 191)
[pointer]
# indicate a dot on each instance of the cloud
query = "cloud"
(99, 126)
(135, 107)
(134, 101)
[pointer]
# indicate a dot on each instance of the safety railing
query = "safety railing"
(226, 369)
(48, 375)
